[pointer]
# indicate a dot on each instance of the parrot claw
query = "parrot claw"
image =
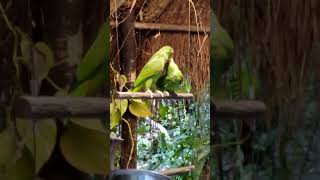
(161, 94)
(150, 92)
(166, 93)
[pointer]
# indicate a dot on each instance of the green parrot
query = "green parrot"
(93, 71)
(153, 70)
(222, 50)
(172, 80)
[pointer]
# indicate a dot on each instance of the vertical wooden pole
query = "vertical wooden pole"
(215, 138)
(128, 54)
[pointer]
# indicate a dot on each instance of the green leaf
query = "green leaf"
(115, 116)
(163, 110)
(43, 67)
(8, 147)
(85, 149)
(90, 123)
(122, 105)
(45, 136)
(22, 169)
(122, 81)
(139, 108)
(26, 47)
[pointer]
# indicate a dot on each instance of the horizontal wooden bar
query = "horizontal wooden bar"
(51, 106)
(115, 139)
(175, 171)
(56, 107)
(155, 95)
(167, 27)
(244, 108)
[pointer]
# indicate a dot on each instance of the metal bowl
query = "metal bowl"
(135, 174)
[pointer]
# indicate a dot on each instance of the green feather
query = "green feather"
(172, 80)
(153, 70)
(96, 55)
(93, 71)
(222, 50)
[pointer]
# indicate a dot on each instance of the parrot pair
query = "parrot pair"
(159, 73)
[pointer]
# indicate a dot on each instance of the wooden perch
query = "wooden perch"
(46, 107)
(175, 171)
(116, 139)
(167, 27)
(155, 95)
(229, 109)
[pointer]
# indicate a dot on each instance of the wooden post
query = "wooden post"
(215, 139)
(128, 54)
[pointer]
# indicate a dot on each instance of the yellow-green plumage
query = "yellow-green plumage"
(172, 80)
(153, 70)
(222, 49)
(93, 71)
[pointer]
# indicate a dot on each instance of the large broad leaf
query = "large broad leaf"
(140, 108)
(7, 147)
(43, 65)
(22, 169)
(115, 116)
(122, 105)
(25, 46)
(86, 149)
(90, 123)
(45, 138)
(163, 110)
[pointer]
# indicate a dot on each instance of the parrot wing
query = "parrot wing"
(93, 70)
(172, 80)
(153, 69)
(96, 55)
(222, 49)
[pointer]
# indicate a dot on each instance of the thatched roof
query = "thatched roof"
(193, 57)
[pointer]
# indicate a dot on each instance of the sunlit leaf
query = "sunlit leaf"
(139, 108)
(122, 81)
(43, 65)
(122, 104)
(163, 110)
(45, 137)
(115, 116)
(85, 149)
(90, 123)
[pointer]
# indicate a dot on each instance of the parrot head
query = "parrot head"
(166, 52)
